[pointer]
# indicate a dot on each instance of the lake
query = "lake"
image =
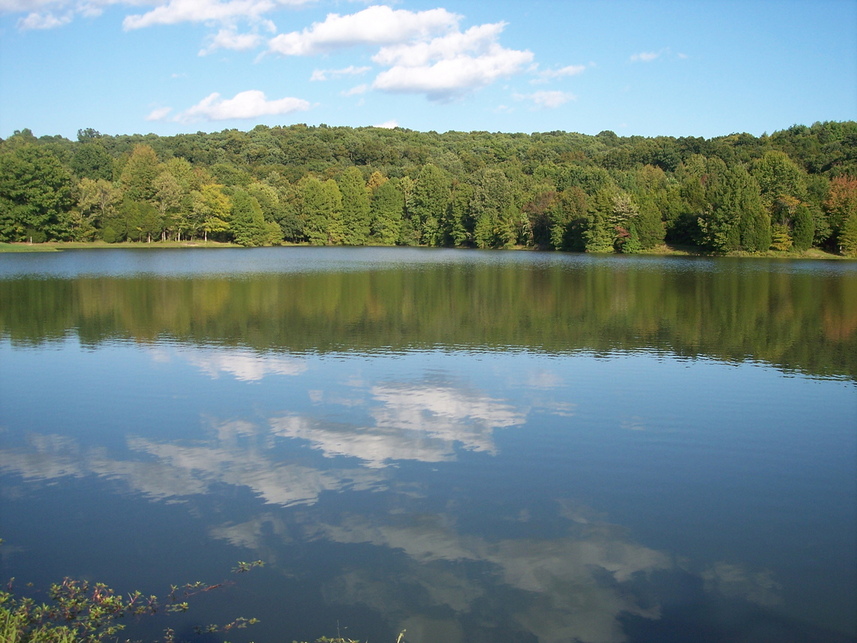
(469, 446)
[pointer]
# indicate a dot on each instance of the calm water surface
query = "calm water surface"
(470, 446)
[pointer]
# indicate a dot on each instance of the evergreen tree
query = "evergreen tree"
(247, 223)
(649, 226)
(385, 209)
(355, 207)
(598, 235)
(321, 211)
(734, 218)
(429, 203)
(493, 209)
(848, 236)
(840, 205)
(803, 228)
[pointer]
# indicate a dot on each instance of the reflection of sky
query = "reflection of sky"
(421, 421)
(523, 431)
(243, 365)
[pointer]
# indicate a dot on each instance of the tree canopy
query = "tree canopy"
(339, 185)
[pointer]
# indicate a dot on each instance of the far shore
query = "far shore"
(663, 250)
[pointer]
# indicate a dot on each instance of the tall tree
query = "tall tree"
(429, 203)
(248, 224)
(97, 200)
(599, 236)
(35, 195)
(355, 207)
(210, 211)
(493, 209)
(386, 208)
(841, 205)
(649, 224)
(778, 176)
(321, 211)
(139, 173)
(734, 218)
(569, 220)
(92, 161)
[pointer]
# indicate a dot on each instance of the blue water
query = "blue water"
(460, 492)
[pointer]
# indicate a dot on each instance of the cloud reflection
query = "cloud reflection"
(243, 365)
(422, 421)
(173, 471)
(569, 588)
(438, 578)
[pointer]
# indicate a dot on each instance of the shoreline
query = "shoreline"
(661, 251)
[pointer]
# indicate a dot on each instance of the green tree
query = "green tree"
(321, 211)
(493, 209)
(355, 207)
(210, 210)
(131, 221)
(170, 197)
(538, 208)
(137, 178)
(97, 200)
(599, 235)
(248, 224)
(623, 217)
(649, 226)
(841, 205)
(459, 222)
(92, 161)
(803, 228)
(429, 204)
(778, 176)
(848, 236)
(385, 211)
(734, 217)
(35, 195)
(569, 218)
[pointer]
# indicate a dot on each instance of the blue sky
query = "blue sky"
(637, 67)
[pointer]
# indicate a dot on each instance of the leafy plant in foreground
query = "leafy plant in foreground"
(83, 612)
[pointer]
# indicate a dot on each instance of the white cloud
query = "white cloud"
(230, 39)
(248, 104)
(645, 56)
(159, 114)
(552, 99)
(552, 74)
(547, 99)
(391, 124)
(414, 54)
(449, 65)
(176, 11)
(356, 91)
(43, 21)
(377, 25)
(327, 74)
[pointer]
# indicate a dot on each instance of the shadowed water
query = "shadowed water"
(471, 446)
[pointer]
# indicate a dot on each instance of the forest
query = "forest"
(785, 192)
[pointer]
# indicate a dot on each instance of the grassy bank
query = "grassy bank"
(660, 251)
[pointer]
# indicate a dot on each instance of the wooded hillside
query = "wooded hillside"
(323, 185)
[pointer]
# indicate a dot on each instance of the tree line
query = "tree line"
(788, 191)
